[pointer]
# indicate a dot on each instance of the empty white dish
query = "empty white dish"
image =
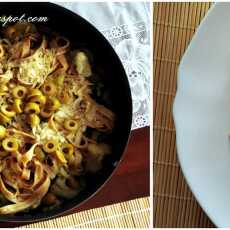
(202, 114)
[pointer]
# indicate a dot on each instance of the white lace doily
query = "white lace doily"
(126, 26)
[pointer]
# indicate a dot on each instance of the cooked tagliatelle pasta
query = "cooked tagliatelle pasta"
(49, 122)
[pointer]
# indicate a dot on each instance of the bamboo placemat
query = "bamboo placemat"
(173, 28)
(129, 214)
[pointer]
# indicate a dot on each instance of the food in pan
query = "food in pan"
(50, 122)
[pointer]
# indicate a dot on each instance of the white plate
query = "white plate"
(202, 114)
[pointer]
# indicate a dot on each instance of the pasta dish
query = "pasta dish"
(50, 122)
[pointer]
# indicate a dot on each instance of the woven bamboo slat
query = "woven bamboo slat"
(173, 27)
(129, 214)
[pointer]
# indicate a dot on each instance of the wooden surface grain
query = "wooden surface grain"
(130, 181)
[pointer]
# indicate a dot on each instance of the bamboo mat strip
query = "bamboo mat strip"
(129, 214)
(173, 27)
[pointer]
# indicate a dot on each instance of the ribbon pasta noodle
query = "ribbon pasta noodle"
(46, 109)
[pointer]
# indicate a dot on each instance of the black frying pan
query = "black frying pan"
(82, 33)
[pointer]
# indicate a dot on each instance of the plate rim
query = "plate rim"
(175, 111)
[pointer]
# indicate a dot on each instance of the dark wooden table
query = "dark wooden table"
(131, 179)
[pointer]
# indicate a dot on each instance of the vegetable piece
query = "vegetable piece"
(60, 157)
(17, 106)
(50, 146)
(72, 182)
(96, 154)
(82, 64)
(3, 90)
(34, 120)
(49, 88)
(71, 125)
(53, 104)
(45, 112)
(7, 111)
(60, 188)
(19, 91)
(39, 153)
(4, 119)
(67, 150)
(32, 107)
(39, 99)
(34, 92)
(99, 149)
(10, 144)
(49, 199)
(75, 163)
(2, 132)
(59, 80)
